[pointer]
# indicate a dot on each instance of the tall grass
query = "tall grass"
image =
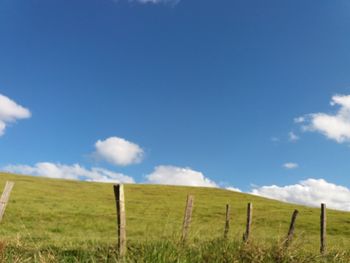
(67, 221)
(170, 251)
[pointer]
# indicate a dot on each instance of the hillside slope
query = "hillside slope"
(45, 212)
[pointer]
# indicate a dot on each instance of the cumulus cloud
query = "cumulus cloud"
(172, 175)
(118, 151)
(10, 111)
(75, 171)
(234, 189)
(299, 119)
(290, 165)
(334, 126)
(311, 192)
(293, 137)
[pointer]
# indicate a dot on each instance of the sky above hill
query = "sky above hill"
(247, 95)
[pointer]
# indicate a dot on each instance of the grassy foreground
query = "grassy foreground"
(67, 221)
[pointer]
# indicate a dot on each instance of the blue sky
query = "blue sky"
(205, 90)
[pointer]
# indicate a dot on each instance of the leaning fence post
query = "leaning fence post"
(291, 228)
(187, 218)
(249, 222)
(227, 221)
(5, 198)
(323, 228)
(121, 221)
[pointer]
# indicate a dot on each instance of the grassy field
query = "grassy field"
(68, 221)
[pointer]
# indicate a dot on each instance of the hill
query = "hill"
(70, 215)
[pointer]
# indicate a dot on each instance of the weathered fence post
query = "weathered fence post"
(121, 221)
(187, 218)
(5, 198)
(323, 228)
(227, 221)
(291, 228)
(249, 222)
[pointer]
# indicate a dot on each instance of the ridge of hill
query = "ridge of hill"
(43, 211)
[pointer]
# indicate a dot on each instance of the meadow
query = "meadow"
(50, 220)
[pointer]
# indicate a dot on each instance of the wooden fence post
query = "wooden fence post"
(291, 228)
(5, 198)
(187, 218)
(249, 222)
(323, 228)
(121, 221)
(227, 221)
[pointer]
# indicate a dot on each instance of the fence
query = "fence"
(5, 198)
(187, 219)
(121, 222)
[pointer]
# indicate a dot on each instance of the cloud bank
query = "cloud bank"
(10, 112)
(290, 165)
(292, 137)
(75, 171)
(311, 192)
(164, 174)
(118, 151)
(234, 189)
(334, 126)
(172, 175)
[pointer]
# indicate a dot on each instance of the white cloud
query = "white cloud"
(290, 165)
(333, 126)
(299, 119)
(311, 192)
(172, 175)
(10, 111)
(293, 137)
(167, 175)
(75, 171)
(118, 151)
(234, 189)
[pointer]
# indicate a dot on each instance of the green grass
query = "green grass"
(76, 221)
